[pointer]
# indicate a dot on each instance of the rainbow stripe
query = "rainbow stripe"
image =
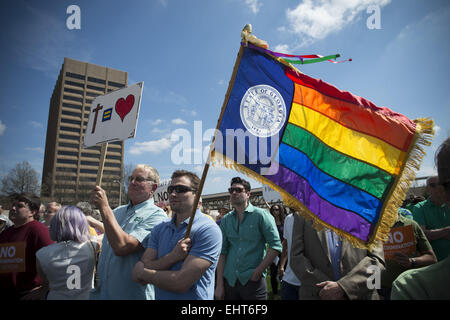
(339, 157)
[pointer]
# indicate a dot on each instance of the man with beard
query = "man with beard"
(243, 261)
(126, 227)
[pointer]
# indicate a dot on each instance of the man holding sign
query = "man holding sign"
(407, 248)
(18, 246)
(125, 228)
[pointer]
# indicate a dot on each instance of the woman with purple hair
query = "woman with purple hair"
(67, 266)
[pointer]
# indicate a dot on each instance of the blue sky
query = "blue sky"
(184, 51)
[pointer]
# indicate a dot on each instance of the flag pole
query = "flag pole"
(211, 148)
(101, 164)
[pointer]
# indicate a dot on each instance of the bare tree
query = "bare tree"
(21, 179)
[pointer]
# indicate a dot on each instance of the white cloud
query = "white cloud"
(35, 124)
(436, 129)
(37, 149)
(155, 122)
(2, 128)
(154, 146)
(253, 5)
(315, 20)
(178, 121)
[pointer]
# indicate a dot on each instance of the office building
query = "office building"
(69, 173)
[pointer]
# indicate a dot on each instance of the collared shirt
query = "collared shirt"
(335, 249)
(244, 243)
(114, 272)
(427, 214)
(206, 242)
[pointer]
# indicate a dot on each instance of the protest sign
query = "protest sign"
(12, 257)
(401, 240)
(114, 116)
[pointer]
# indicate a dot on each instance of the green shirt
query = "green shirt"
(427, 283)
(427, 214)
(244, 243)
(393, 269)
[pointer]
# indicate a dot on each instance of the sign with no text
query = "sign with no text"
(114, 116)
(401, 240)
(12, 257)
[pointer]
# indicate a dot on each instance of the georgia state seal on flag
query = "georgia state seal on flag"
(333, 156)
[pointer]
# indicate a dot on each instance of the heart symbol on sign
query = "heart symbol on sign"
(124, 106)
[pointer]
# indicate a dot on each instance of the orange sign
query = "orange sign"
(12, 257)
(401, 240)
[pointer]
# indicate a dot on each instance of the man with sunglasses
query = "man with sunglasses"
(126, 227)
(243, 261)
(179, 268)
(431, 282)
(31, 235)
(434, 218)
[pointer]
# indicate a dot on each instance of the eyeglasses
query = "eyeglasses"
(138, 179)
(179, 189)
(235, 189)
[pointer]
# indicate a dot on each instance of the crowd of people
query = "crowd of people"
(140, 251)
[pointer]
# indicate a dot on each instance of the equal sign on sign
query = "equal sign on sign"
(107, 115)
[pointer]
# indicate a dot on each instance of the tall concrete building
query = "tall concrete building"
(70, 172)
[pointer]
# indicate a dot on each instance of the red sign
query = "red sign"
(12, 257)
(401, 240)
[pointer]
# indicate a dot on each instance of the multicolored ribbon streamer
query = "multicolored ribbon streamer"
(301, 58)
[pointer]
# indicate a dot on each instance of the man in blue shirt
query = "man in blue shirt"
(179, 268)
(125, 230)
(243, 260)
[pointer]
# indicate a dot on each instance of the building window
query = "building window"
(68, 153)
(92, 171)
(73, 98)
(77, 122)
(66, 136)
(91, 94)
(67, 161)
(90, 179)
(90, 155)
(70, 129)
(89, 163)
(95, 88)
(70, 113)
(75, 75)
(73, 91)
(109, 164)
(70, 105)
(115, 84)
(96, 80)
(68, 145)
(113, 157)
(66, 178)
(75, 84)
(62, 169)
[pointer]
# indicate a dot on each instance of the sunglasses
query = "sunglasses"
(179, 189)
(138, 179)
(433, 184)
(235, 189)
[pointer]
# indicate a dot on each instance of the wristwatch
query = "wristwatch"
(413, 263)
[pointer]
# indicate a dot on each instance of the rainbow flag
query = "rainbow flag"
(335, 157)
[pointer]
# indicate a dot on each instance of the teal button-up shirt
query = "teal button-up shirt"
(244, 243)
(114, 272)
